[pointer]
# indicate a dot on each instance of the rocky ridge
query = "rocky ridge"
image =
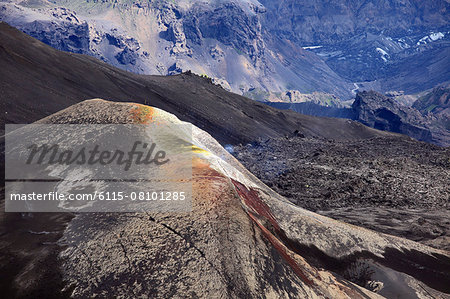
(56, 80)
(387, 113)
(275, 46)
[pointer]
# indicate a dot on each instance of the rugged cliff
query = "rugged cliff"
(383, 113)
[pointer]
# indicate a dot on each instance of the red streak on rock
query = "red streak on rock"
(252, 201)
(283, 251)
(259, 208)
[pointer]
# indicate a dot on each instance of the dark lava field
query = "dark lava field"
(392, 185)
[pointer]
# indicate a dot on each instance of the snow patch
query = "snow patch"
(436, 36)
(311, 47)
(430, 38)
(355, 90)
(383, 53)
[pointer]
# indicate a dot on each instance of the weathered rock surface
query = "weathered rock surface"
(383, 113)
(240, 240)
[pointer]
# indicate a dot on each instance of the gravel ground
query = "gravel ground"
(389, 184)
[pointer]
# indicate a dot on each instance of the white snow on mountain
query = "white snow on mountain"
(384, 54)
(431, 38)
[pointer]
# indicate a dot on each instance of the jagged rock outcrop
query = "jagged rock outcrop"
(230, 25)
(71, 35)
(64, 29)
(240, 240)
(382, 113)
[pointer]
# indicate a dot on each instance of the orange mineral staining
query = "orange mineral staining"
(142, 114)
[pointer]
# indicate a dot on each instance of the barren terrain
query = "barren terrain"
(392, 185)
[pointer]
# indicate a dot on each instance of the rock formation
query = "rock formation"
(383, 113)
(240, 240)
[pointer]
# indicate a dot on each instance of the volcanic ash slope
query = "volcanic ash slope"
(241, 240)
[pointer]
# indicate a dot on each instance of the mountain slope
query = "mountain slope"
(333, 21)
(222, 39)
(273, 46)
(37, 80)
(383, 45)
(436, 101)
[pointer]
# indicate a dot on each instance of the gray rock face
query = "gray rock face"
(382, 113)
(63, 29)
(230, 25)
(70, 35)
(333, 21)
(64, 79)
